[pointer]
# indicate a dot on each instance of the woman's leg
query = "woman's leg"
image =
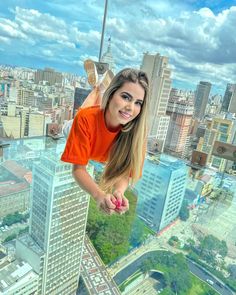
(94, 98)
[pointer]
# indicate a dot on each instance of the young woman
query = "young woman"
(113, 133)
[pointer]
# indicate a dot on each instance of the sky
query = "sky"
(198, 37)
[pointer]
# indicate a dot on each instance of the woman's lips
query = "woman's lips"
(125, 115)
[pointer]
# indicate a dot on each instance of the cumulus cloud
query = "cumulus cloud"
(10, 29)
(199, 40)
(200, 43)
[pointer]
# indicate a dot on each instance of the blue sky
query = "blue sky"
(198, 36)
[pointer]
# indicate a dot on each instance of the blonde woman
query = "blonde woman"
(113, 133)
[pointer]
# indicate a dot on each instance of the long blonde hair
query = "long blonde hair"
(128, 151)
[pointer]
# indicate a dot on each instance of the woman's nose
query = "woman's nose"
(129, 105)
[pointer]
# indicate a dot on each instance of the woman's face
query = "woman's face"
(125, 105)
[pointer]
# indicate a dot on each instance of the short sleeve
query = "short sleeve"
(78, 145)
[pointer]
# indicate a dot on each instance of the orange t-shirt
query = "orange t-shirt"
(89, 138)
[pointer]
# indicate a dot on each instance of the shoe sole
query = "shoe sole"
(106, 80)
(90, 69)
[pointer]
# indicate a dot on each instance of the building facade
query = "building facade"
(80, 95)
(156, 67)
(180, 112)
(48, 75)
(218, 129)
(57, 227)
(161, 190)
(229, 99)
(201, 99)
(108, 57)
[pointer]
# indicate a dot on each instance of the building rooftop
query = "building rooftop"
(15, 273)
(30, 243)
(12, 178)
(165, 160)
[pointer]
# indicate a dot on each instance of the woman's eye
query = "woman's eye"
(126, 97)
(139, 103)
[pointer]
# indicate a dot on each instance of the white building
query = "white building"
(108, 57)
(156, 67)
(57, 227)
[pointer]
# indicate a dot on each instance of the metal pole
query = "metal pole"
(103, 29)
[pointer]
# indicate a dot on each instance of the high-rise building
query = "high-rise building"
(25, 97)
(161, 190)
(80, 95)
(180, 112)
(156, 67)
(229, 98)
(201, 99)
(180, 109)
(54, 244)
(108, 57)
(48, 75)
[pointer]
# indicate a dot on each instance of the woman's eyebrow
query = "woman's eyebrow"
(127, 93)
(130, 96)
(140, 100)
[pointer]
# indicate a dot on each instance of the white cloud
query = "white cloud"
(5, 40)
(47, 52)
(10, 29)
(200, 43)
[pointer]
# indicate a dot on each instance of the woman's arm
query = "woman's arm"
(122, 184)
(87, 183)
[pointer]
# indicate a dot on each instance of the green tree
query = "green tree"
(223, 249)
(173, 240)
(14, 218)
(210, 246)
(147, 265)
(179, 276)
(110, 234)
(184, 211)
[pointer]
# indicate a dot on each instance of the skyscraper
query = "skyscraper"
(180, 111)
(161, 190)
(156, 67)
(201, 99)
(108, 57)
(57, 227)
(79, 97)
(229, 97)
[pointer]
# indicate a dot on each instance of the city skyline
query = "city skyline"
(196, 36)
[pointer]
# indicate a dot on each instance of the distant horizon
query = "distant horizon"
(175, 84)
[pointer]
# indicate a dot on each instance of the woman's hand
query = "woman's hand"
(106, 203)
(121, 202)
